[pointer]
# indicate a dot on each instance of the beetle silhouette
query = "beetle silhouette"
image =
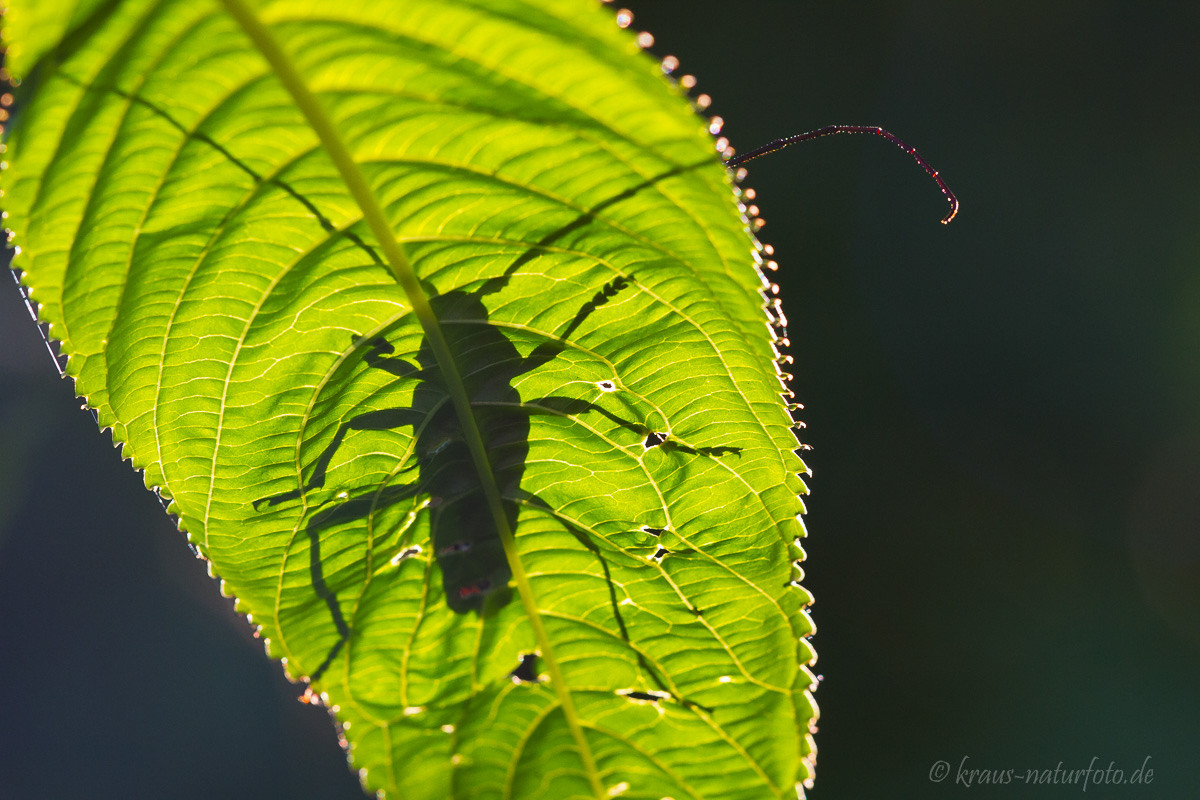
(465, 542)
(464, 537)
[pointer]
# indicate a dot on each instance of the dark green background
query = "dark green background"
(1005, 518)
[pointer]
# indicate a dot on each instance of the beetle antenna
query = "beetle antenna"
(830, 130)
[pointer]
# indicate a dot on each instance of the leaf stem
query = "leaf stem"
(323, 125)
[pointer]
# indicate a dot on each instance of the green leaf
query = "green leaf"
(439, 327)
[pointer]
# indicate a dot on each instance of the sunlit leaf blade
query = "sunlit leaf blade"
(228, 313)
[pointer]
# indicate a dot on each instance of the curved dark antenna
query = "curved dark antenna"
(830, 130)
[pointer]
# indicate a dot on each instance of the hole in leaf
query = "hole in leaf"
(654, 440)
(606, 386)
(526, 671)
(646, 697)
(658, 555)
(405, 554)
(653, 531)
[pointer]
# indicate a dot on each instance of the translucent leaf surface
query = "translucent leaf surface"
(228, 309)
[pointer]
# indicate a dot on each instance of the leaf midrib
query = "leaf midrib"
(402, 271)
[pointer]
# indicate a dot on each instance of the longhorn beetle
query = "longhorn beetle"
(475, 571)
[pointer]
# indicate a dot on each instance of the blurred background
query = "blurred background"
(1005, 415)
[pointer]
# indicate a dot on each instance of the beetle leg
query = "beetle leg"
(382, 420)
(380, 356)
(570, 407)
(585, 538)
(357, 508)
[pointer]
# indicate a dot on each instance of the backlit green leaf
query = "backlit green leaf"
(539, 313)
